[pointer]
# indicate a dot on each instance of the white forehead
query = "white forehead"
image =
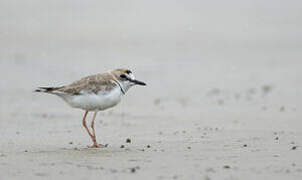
(131, 76)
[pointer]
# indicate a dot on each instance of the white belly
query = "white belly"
(95, 102)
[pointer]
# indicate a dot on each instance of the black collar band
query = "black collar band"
(118, 83)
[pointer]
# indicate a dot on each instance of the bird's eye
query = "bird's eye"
(123, 76)
(128, 72)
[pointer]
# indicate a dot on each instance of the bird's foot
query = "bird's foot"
(95, 145)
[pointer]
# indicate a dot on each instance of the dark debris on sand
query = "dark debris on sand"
(134, 169)
(226, 167)
(294, 147)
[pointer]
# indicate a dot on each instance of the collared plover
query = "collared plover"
(95, 93)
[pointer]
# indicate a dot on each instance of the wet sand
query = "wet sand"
(220, 104)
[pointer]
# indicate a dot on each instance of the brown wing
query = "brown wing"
(90, 84)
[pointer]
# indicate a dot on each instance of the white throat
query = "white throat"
(126, 85)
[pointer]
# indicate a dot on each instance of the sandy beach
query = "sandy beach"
(223, 100)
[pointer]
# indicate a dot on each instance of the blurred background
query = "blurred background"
(232, 64)
(223, 100)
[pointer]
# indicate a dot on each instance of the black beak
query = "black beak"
(138, 82)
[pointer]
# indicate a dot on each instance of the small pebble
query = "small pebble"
(122, 146)
(276, 138)
(106, 145)
(25, 151)
(188, 147)
(226, 167)
(294, 147)
(245, 145)
(70, 142)
(128, 140)
(148, 146)
(133, 170)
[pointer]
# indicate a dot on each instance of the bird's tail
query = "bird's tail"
(47, 89)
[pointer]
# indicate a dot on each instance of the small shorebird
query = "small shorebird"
(95, 93)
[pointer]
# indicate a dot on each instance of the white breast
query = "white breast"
(95, 102)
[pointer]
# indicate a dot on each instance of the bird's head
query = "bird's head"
(126, 78)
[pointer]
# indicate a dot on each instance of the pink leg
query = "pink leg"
(85, 126)
(93, 137)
